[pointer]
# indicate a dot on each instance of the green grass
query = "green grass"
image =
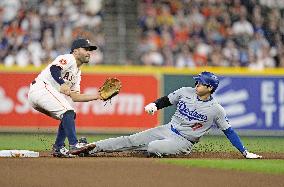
(262, 166)
(222, 144)
(35, 142)
(42, 142)
(253, 144)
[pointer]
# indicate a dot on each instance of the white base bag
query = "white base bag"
(18, 153)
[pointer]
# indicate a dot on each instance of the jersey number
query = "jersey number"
(196, 126)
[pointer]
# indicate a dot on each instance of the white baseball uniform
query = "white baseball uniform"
(44, 94)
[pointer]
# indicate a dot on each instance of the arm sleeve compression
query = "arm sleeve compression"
(56, 74)
(163, 102)
(234, 139)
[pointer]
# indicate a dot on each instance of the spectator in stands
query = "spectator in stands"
(153, 57)
(258, 43)
(36, 31)
(237, 28)
(185, 58)
(230, 53)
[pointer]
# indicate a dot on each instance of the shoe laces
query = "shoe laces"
(64, 151)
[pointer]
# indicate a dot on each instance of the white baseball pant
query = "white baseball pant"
(46, 99)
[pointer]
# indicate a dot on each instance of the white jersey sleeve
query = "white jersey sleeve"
(70, 73)
(63, 62)
(221, 119)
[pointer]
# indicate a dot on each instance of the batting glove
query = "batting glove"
(151, 108)
(249, 155)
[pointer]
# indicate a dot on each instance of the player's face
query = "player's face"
(83, 55)
(201, 89)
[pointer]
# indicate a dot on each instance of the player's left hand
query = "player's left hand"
(249, 155)
(65, 89)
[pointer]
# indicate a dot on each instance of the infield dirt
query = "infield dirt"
(123, 170)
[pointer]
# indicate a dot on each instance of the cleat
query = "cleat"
(83, 141)
(61, 152)
(78, 149)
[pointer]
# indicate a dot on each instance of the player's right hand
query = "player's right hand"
(249, 155)
(151, 108)
(65, 89)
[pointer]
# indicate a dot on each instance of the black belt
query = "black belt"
(178, 133)
(34, 82)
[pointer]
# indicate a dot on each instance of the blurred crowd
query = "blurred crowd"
(36, 31)
(191, 33)
(179, 33)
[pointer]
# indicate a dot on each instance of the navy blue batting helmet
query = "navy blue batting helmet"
(208, 78)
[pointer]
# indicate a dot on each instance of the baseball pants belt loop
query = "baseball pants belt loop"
(178, 133)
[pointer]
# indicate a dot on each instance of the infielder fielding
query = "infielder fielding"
(196, 112)
(59, 79)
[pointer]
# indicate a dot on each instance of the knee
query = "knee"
(153, 147)
(70, 114)
(163, 147)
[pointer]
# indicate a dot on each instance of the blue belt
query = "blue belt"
(178, 133)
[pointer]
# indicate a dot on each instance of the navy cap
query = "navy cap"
(82, 43)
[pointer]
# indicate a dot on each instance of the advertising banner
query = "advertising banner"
(124, 112)
(251, 102)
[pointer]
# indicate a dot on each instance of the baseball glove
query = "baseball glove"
(110, 88)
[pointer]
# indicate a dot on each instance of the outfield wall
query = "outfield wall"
(254, 100)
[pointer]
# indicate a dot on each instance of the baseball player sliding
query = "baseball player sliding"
(196, 112)
(48, 93)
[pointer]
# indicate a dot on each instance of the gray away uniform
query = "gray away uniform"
(192, 119)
